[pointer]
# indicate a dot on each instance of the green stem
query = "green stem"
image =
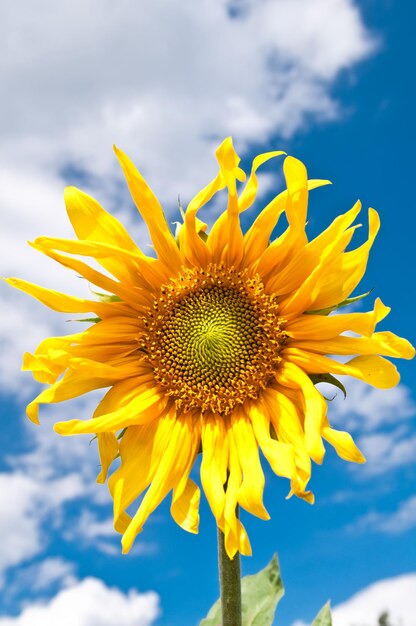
(230, 584)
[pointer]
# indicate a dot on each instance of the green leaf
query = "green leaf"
(331, 380)
(324, 617)
(260, 593)
(346, 302)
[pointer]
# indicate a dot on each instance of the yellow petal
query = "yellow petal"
(383, 343)
(331, 240)
(117, 329)
(345, 272)
(285, 415)
(237, 543)
(185, 506)
(235, 536)
(226, 238)
(152, 213)
(310, 327)
(171, 465)
(257, 237)
(147, 405)
(70, 386)
(292, 376)
(250, 494)
(124, 264)
(108, 444)
(108, 450)
(50, 358)
(121, 523)
(92, 223)
(141, 449)
(343, 444)
(129, 293)
(192, 246)
(302, 298)
(228, 161)
(274, 256)
(186, 495)
(214, 463)
(205, 195)
(60, 301)
(84, 367)
(280, 455)
(249, 192)
(297, 203)
(45, 369)
(374, 370)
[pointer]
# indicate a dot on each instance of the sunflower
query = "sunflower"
(212, 346)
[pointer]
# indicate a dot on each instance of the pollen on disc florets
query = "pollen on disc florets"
(213, 338)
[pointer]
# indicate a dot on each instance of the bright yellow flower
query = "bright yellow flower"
(211, 346)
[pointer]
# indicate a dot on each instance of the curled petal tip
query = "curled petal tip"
(32, 413)
(73, 196)
(70, 191)
(63, 428)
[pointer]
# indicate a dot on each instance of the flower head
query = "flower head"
(213, 346)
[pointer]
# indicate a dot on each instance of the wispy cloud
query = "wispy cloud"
(382, 420)
(97, 532)
(54, 472)
(24, 512)
(367, 409)
(43, 577)
(387, 451)
(390, 522)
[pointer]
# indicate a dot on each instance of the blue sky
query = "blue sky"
(330, 83)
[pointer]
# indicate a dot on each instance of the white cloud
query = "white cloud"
(387, 451)
(56, 470)
(52, 456)
(395, 595)
(98, 532)
(24, 511)
(168, 77)
(394, 522)
(51, 573)
(94, 527)
(88, 602)
(382, 420)
(92, 531)
(23, 326)
(18, 527)
(165, 81)
(367, 408)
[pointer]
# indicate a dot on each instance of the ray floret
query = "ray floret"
(212, 346)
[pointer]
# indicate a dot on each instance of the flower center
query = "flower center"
(214, 338)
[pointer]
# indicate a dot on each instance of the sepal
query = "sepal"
(330, 379)
(346, 302)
